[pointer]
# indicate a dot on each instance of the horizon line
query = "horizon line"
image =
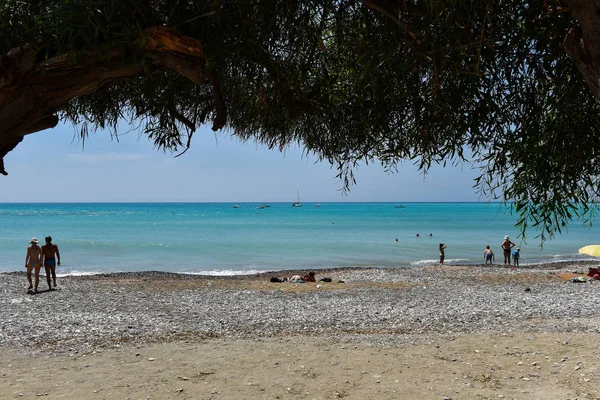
(248, 202)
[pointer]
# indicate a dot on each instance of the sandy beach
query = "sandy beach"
(451, 332)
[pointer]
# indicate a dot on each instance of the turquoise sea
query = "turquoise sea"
(218, 238)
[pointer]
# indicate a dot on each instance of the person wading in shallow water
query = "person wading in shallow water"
(442, 253)
(50, 250)
(488, 255)
(33, 260)
(507, 245)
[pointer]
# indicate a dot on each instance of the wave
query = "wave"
(79, 273)
(226, 272)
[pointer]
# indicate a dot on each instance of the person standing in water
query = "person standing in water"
(516, 256)
(488, 254)
(442, 253)
(50, 250)
(33, 261)
(507, 245)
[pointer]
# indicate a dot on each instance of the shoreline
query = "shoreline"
(455, 331)
(285, 272)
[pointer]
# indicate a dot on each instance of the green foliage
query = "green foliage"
(479, 82)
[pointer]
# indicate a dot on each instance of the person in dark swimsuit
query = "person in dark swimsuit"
(309, 276)
(442, 253)
(33, 261)
(507, 245)
(50, 250)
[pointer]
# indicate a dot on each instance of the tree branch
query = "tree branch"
(220, 107)
(372, 4)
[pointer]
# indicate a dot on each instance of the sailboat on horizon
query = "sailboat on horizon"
(297, 203)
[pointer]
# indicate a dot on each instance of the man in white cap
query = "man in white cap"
(507, 245)
(33, 260)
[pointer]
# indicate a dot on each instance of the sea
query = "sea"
(246, 238)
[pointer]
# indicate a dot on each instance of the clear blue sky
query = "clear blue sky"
(52, 166)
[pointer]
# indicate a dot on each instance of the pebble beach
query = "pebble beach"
(371, 309)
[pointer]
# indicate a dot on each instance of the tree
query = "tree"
(510, 86)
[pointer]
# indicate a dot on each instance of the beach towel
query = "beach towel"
(579, 279)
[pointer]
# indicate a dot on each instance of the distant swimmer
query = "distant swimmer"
(396, 240)
(431, 235)
(418, 235)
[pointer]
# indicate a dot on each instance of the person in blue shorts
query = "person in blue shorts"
(516, 255)
(51, 256)
(488, 254)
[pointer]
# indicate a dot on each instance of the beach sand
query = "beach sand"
(457, 332)
(472, 366)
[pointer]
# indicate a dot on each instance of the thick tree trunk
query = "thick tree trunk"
(584, 46)
(31, 94)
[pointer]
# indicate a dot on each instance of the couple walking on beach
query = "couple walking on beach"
(36, 256)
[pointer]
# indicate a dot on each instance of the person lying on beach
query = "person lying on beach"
(489, 255)
(33, 260)
(296, 279)
(50, 251)
(309, 276)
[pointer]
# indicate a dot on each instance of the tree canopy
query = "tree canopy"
(510, 87)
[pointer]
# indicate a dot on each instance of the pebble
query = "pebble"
(439, 301)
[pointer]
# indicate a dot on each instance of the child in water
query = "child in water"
(442, 254)
(489, 255)
(516, 255)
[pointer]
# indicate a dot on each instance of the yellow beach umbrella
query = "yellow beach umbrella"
(591, 250)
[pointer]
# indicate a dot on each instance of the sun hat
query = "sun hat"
(34, 240)
(506, 237)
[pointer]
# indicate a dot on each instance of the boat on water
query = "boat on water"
(297, 202)
(400, 206)
(260, 207)
(236, 206)
(317, 205)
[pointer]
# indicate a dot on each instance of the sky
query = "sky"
(54, 166)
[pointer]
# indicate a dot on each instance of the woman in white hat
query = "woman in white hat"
(507, 245)
(33, 260)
